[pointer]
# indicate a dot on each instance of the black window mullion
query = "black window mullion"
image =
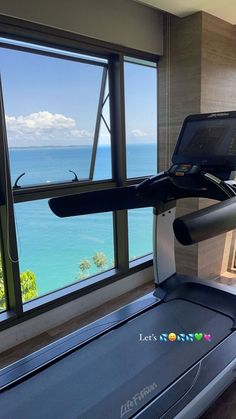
(52, 54)
(118, 149)
(36, 193)
(9, 241)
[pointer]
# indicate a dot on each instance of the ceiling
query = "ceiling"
(224, 9)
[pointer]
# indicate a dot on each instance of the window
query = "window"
(56, 130)
(103, 168)
(59, 252)
(53, 107)
(141, 145)
(140, 232)
(141, 118)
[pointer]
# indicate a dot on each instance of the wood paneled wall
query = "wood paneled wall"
(218, 65)
(179, 80)
(218, 93)
(197, 74)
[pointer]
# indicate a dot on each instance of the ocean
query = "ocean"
(61, 251)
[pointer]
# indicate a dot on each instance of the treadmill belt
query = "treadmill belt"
(117, 374)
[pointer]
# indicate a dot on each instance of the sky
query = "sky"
(53, 102)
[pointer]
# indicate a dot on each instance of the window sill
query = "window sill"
(71, 292)
(142, 259)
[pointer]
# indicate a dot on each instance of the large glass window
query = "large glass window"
(59, 135)
(53, 106)
(141, 118)
(57, 113)
(62, 251)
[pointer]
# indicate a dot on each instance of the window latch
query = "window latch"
(75, 178)
(17, 180)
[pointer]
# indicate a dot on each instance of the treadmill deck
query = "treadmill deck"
(117, 374)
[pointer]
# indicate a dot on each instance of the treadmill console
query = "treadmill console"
(208, 141)
(183, 169)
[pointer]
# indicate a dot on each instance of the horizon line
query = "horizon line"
(72, 146)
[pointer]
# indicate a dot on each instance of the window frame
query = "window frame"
(19, 30)
(104, 66)
(144, 63)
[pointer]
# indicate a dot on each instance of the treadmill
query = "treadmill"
(170, 353)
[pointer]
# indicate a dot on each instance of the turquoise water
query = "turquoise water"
(53, 248)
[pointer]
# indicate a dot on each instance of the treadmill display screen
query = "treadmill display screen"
(206, 139)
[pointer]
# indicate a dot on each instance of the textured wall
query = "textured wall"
(197, 74)
(218, 81)
(218, 93)
(179, 95)
(179, 80)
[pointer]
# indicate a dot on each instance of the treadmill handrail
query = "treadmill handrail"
(206, 223)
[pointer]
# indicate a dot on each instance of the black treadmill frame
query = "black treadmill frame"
(197, 377)
(20, 370)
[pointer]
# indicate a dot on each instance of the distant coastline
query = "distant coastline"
(73, 146)
(51, 146)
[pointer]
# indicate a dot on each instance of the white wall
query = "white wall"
(53, 318)
(122, 22)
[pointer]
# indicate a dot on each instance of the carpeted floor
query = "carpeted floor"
(224, 407)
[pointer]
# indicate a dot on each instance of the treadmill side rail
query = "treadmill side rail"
(210, 393)
(217, 370)
(43, 358)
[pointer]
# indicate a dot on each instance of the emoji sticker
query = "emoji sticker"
(207, 337)
(181, 337)
(172, 337)
(198, 336)
(163, 337)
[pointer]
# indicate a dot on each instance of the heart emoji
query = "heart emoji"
(207, 337)
(198, 336)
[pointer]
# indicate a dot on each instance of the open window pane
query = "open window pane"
(103, 168)
(51, 110)
(62, 251)
(140, 223)
(141, 119)
(103, 158)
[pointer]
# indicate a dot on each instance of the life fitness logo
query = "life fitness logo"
(136, 399)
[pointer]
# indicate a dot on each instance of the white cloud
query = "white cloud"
(45, 128)
(82, 133)
(138, 133)
(42, 121)
(53, 129)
